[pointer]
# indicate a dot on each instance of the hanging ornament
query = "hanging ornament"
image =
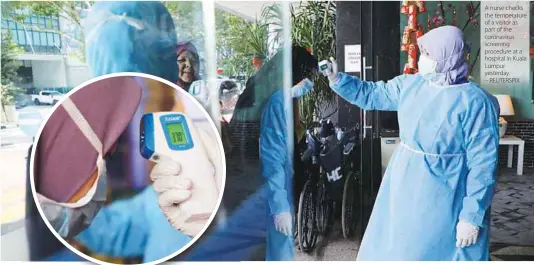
(412, 18)
(428, 22)
(412, 56)
(421, 6)
(406, 39)
(404, 7)
(412, 30)
(420, 32)
(407, 69)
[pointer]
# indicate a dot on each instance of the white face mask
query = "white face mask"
(426, 65)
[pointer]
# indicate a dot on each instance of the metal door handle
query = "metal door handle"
(364, 78)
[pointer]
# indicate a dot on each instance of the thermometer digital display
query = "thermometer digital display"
(177, 133)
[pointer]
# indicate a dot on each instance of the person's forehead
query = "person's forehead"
(185, 53)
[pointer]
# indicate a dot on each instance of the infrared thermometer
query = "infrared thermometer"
(325, 68)
(173, 135)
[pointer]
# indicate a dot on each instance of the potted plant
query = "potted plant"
(9, 67)
(9, 113)
(313, 26)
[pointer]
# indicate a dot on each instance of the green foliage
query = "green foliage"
(187, 17)
(313, 25)
(9, 66)
(238, 42)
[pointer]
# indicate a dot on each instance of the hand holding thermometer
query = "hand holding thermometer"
(174, 136)
(325, 68)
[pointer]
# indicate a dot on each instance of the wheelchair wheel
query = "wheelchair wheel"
(323, 208)
(307, 232)
(348, 207)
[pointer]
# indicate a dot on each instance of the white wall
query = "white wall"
(48, 74)
(77, 74)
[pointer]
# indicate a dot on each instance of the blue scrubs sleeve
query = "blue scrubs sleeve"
(369, 95)
(273, 152)
(118, 230)
(482, 141)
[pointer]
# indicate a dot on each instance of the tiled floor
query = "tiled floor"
(513, 209)
(512, 231)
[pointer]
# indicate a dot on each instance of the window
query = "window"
(35, 37)
(50, 39)
(45, 94)
(49, 24)
(43, 39)
(28, 36)
(57, 40)
(14, 35)
(21, 37)
(55, 24)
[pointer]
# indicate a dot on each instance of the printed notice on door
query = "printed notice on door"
(353, 56)
(505, 38)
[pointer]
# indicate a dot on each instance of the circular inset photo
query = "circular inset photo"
(128, 168)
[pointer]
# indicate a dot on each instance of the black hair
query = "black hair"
(303, 62)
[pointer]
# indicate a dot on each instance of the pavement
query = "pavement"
(15, 140)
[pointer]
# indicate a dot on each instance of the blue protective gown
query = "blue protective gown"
(133, 228)
(443, 170)
(277, 168)
(117, 46)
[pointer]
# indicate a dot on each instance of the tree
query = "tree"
(313, 26)
(9, 66)
(238, 42)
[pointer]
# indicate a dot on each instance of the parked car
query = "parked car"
(22, 100)
(47, 97)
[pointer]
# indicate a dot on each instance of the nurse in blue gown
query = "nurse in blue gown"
(434, 200)
(276, 154)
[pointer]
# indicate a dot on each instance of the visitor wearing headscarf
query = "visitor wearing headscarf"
(188, 65)
(435, 197)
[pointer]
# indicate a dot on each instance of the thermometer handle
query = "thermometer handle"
(204, 192)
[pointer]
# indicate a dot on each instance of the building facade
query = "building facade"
(45, 64)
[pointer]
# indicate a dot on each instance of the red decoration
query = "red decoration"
(404, 7)
(220, 71)
(309, 50)
(421, 6)
(257, 62)
(420, 32)
(412, 56)
(406, 39)
(413, 29)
